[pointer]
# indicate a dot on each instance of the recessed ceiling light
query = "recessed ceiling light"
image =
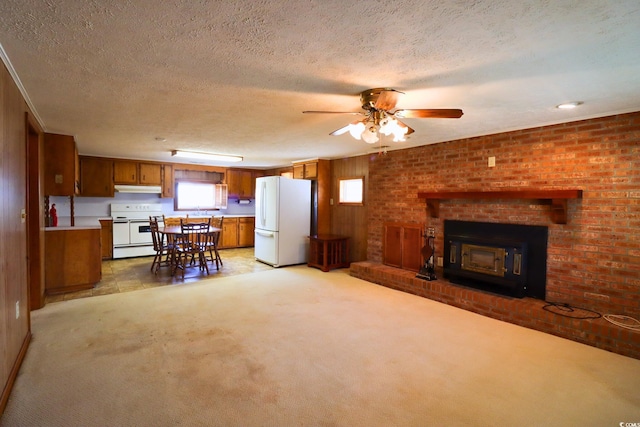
(569, 105)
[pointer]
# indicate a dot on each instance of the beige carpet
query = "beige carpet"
(298, 347)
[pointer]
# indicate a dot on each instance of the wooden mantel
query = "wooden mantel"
(557, 198)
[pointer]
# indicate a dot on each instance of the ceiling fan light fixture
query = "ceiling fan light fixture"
(206, 156)
(370, 135)
(356, 130)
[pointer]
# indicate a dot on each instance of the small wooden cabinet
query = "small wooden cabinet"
(237, 232)
(246, 227)
(61, 167)
(402, 245)
(168, 190)
(73, 259)
(96, 177)
(242, 182)
(106, 238)
(136, 173)
(328, 251)
(229, 237)
(306, 170)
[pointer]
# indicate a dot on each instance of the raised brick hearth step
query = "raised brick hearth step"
(527, 312)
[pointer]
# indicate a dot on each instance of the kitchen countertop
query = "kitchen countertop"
(77, 227)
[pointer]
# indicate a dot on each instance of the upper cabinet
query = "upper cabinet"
(61, 168)
(306, 170)
(242, 182)
(168, 188)
(96, 177)
(136, 173)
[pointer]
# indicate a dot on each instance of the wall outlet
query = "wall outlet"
(17, 309)
(439, 261)
(492, 162)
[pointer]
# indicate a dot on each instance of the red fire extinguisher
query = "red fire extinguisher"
(54, 215)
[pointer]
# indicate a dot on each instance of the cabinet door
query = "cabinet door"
(311, 170)
(240, 183)
(125, 172)
(246, 232)
(106, 238)
(167, 181)
(96, 177)
(150, 174)
(402, 246)
(298, 171)
(229, 237)
(60, 161)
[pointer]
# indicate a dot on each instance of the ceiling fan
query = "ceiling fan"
(378, 104)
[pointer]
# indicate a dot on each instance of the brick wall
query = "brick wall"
(593, 260)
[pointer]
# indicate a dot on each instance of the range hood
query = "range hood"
(149, 189)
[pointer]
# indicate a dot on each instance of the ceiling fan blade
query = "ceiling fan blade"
(409, 131)
(333, 112)
(387, 99)
(344, 129)
(442, 113)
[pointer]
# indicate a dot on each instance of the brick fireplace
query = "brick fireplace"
(593, 260)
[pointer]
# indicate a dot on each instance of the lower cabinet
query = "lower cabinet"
(402, 245)
(73, 259)
(237, 232)
(106, 238)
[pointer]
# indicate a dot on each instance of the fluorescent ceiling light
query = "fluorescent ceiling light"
(206, 156)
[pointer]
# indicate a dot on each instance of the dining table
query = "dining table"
(172, 232)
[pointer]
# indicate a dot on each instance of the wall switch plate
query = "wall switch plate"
(492, 162)
(58, 179)
(17, 309)
(439, 261)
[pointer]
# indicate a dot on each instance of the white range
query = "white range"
(131, 229)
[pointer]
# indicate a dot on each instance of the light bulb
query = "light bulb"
(370, 136)
(356, 130)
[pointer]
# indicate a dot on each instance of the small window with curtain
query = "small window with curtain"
(351, 191)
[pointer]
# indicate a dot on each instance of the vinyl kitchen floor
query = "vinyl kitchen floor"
(131, 274)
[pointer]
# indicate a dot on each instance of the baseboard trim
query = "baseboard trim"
(14, 372)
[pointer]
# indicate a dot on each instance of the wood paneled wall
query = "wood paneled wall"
(351, 220)
(14, 332)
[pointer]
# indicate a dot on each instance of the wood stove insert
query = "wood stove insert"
(508, 259)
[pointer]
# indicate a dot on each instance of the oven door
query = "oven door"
(140, 232)
(120, 232)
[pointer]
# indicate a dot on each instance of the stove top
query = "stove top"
(135, 210)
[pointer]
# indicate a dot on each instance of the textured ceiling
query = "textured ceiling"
(233, 77)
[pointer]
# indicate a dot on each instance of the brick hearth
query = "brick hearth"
(525, 312)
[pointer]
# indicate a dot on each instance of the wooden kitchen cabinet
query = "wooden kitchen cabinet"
(246, 227)
(73, 260)
(242, 182)
(136, 173)
(61, 167)
(168, 186)
(237, 232)
(306, 170)
(106, 238)
(229, 236)
(96, 177)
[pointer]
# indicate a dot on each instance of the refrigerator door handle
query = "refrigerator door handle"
(263, 206)
(264, 233)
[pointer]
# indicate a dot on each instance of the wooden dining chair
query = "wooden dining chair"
(214, 240)
(160, 245)
(191, 246)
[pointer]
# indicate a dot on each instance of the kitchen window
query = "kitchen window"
(351, 191)
(198, 195)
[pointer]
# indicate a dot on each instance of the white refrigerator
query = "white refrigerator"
(283, 218)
